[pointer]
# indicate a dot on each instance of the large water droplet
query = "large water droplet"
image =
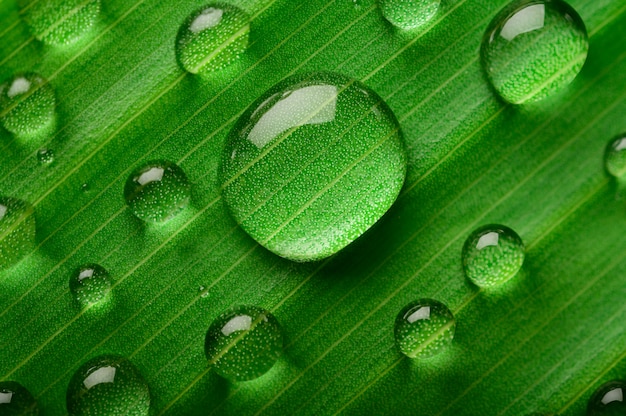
(45, 156)
(243, 343)
(312, 164)
(424, 328)
(90, 284)
(17, 230)
(212, 38)
(26, 104)
(492, 254)
(409, 14)
(609, 399)
(615, 157)
(16, 400)
(60, 22)
(108, 385)
(157, 191)
(534, 48)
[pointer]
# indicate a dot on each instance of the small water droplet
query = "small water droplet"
(108, 385)
(424, 328)
(45, 156)
(60, 22)
(27, 104)
(615, 157)
(533, 48)
(608, 399)
(492, 254)
(203, 292)
(312, 164)
(90, 284)
(409, 14)
(157, 191)
(85, 187)
(17, 230)
(15, 399)
(243, 343)
(212, 38)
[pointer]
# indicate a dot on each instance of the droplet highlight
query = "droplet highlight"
(108, 385)
(492, 255)
(243, 343)
(312, 164)
(212, 38)
(27, 104)
(534, 48)
(608, 399)
(45, 156)
(60, 22)
(615, 157)
(424, 328)
(157, 191)
(90, 284)
(409, 14)
(15, 399)
(17, 230)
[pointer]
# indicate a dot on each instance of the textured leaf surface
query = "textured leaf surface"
(544, 342)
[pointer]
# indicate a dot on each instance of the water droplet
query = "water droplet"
(243, 343)
(615, 157)
(409, 14)
(157, 191)
(17, 230)
(45, 156)
(85, 187)
(108, 385)
(533, 48)
(212, 38)
(15, 399)
(90, 284)
(312, 165)
(492, 254)
(424, 328)
(26, 104)
(60, 22)
(608, 399)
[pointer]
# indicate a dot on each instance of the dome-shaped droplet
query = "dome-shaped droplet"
(17, 230)
(45, 156)
(16, 400)
(90, 284)
(533, 48)
(608, 400)
(615, 157)
(108, 385)
(492, 255)
(60, 22)
(312, 165)
(409, 14)
(243, 343)
(212, 38)
(157, 191)
(27, 104)
(424, 328)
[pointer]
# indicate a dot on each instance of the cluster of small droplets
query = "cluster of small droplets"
(90, 284)
(243, 343)
(15, 399)
(212, 38)
(17, 230)
(45, 156)
(27, 104)
(108, 385)
(60, 22)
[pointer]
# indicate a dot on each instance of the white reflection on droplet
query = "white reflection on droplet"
(238, 323)
(209, 18)
(151, 175)
(101, 375)
(486, 240)
(420, 314)
(526, 20)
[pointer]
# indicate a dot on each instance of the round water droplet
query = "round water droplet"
(492, 254)
(409, 14)
(90, 284)
(60, 22)
(533, 48)
(16, 400)
(17, 230)
(424, 328)
(26, 104)
(45, 156)
(243, 343)
(108, 385)
(609, 399)
(212, 38)
(157, 191)
(615, 157)
(312, 165)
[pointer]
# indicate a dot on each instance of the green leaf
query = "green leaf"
(542, 342)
